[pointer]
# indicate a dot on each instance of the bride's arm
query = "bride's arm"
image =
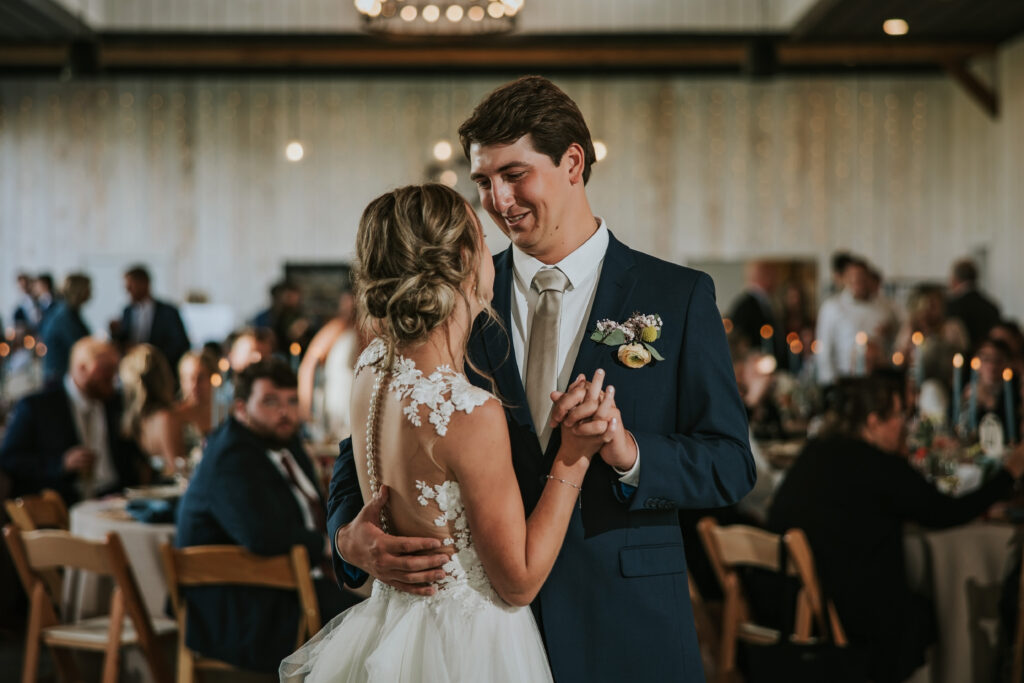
(516, 552)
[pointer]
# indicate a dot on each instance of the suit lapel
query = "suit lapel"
(610, 301)
(498, 344)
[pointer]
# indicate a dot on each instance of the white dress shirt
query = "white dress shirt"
(90, 417)
(583, 269)
(142, 321)
(277, 457)
(840, 319)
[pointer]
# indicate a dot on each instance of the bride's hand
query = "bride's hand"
(406, 563)
(591, 424)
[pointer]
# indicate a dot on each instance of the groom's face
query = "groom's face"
(524, 193)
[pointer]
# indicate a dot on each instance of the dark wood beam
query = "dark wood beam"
(986, 96)
(548, 53)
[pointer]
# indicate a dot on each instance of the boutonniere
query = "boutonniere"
(634, 337)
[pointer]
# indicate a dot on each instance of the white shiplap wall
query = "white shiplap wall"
(191, 177)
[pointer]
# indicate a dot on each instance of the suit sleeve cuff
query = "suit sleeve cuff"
(629, 480)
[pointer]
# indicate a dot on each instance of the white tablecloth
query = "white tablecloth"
(94, 519)
(961, 569)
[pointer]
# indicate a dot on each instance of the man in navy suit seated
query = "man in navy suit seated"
(68, 436)
(149, 321)
(256, 487)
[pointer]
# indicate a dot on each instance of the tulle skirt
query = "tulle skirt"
(460, 634)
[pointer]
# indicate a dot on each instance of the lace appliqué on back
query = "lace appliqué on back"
(443, 392)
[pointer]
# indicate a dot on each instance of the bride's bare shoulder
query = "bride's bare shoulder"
(470, 433)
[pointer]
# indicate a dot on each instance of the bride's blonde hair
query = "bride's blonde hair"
(415, 248)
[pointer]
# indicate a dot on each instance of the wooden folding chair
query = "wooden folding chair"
(218, 565)
(128, 623)
(43, 511)
(732, 547)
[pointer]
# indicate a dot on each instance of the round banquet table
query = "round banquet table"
(90, 594)
(962, 570)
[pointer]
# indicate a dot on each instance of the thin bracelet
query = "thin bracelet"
(567, 483)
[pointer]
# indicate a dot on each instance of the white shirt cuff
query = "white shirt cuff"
(631, 477)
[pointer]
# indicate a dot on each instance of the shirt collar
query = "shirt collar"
(577, 266)
(80, 400)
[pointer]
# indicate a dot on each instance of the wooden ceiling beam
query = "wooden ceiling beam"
(548, 53)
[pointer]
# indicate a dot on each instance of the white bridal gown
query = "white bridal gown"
(465, 631)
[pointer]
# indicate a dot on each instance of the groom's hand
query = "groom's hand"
(407, 563)
(584, 404)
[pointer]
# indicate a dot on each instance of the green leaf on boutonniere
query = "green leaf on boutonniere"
(654, 352)
(613, 338)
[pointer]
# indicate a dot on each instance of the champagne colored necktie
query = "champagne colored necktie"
(542, 357)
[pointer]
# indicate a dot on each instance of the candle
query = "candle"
(861, 353)
(1011, 414)
(766, 340)
(215, 381)
(973, 405)
(295, 349)
(918, 339)
(958, 387)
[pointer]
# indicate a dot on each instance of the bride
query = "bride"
(438, 448)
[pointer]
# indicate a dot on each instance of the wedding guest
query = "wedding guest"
(839, 261)
(335, 347)
(42, 292)
(967, 303)
(1009, 333)
(842, 318)
(796, 314)
(149, 416)
(65, 326)
(149, 321)
(851, 493)
(195, 371)
(285, 315)
(754, 309)
(989, 391)
(255, 487)
(26, 313)
(68, 437)
(250, 345)
(941, 337)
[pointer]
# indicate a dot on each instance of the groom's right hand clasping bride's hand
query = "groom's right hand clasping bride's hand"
(406, 563)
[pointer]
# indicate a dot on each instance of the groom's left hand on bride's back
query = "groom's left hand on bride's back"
(584, 403)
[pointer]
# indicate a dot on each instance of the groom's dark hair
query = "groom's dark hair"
(534, 106)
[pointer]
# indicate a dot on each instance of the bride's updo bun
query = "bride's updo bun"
(415, 248)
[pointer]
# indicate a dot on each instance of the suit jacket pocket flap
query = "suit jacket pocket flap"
(651, 560)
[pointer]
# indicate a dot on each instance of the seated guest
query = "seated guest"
(149, 416)
(251, 345)
(851, 492)
(990, 394)
(68, 437)
(195, 369)
(65, 326)
(148, 321)
(255, 487)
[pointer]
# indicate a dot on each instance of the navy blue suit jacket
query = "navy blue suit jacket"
(42, 429)
(616, 606)
(59, 332)
(167, 332)
(238, 497)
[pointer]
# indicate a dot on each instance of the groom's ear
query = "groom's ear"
(573, 158)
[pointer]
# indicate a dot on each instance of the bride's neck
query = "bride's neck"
(443, 346)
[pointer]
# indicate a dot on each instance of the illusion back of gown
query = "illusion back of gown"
(465, 631)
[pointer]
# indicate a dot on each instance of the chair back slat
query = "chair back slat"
(231, 564)
(51, 548)
(43, 511)
(746, 546)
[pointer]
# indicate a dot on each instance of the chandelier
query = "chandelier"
(439, 17)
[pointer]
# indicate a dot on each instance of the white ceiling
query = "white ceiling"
(537, 17)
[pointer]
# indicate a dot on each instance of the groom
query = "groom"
(616, 605)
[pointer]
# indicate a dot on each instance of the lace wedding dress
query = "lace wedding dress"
(465, 631)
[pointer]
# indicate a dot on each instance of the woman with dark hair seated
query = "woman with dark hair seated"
(851, 492)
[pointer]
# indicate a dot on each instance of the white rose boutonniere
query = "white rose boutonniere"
(635, 338)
